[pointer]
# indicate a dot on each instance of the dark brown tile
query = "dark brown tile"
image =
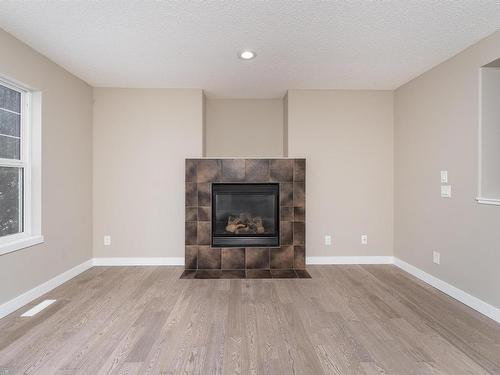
(299, 170)
(204, 214)
(302, 274)
(190, 233)
(257, 258)
(281, 170)
(282, 257)
(233, 170)
(191, 213)
(208, 274)
(209, 170)
(257, 170)
(204, 233)
(299, 255)
(191, 194)
(286, 213)
(208, 258)
(286, 194)
(188, 274)
(286, 234)
(299, 233)
(299, 194)
(283, 274)
(233, 274)
(233, 258)
(299, 214)
(191, 170)
(191, 257)
(258, 274)
(204, 194)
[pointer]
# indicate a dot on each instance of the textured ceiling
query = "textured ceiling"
(300, 44)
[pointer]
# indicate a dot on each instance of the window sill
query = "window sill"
(18, 243)
(489, 201)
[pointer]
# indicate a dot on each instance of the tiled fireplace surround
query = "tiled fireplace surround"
(201, 173)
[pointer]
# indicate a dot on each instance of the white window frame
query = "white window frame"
(30, 161)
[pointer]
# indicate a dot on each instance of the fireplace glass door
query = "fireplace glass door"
(245, 215)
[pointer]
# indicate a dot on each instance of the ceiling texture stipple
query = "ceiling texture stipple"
(299, 44)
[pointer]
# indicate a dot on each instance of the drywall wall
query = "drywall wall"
(347, 139)
(141, 138)
(490, 133)
(204, 125)
(244, 127)
(285, 125)
(436, 128)
(66, 170)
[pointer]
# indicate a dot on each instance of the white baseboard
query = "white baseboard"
(38, 291)
(467, 299)
(135, 261)
(350, 260)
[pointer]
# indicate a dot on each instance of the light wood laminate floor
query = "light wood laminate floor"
(345, 320)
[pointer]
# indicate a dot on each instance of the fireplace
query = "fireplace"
(245, 215)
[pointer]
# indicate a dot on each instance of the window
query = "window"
(18, 225)
(489, 147)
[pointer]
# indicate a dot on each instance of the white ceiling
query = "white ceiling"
(300, 44)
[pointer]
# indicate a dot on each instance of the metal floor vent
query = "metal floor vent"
(42, 305)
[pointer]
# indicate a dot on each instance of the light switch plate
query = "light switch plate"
(444, 177)
(446, 191)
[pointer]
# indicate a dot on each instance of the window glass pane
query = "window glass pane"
(10, 200)
(10, 147)
(10, 99)
(10, 123)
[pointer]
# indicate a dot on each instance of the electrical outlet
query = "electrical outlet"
(364, 239)
(436, 257)
(107, 240)
(328, 240)
(444, 177)
(445, 191)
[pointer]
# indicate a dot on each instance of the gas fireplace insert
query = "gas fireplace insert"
(245, 215)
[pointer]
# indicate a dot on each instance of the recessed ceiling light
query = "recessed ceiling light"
(247, 55)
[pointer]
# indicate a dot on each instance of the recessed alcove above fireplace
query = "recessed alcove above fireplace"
(245, 214)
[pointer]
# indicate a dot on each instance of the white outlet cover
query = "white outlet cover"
(446, 191)
(444, 177)
(364, 239)
(328, 240)
(436, 257)
(107, 240)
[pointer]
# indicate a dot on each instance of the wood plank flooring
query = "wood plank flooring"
(345, 320)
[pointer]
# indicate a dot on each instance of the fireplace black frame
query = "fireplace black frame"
(248, 240)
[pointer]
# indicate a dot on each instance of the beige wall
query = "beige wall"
(347, 139)
(285, 126)
(141, 138)
(244, 127)
(490, 133)
(66, 170)
(436, 128)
